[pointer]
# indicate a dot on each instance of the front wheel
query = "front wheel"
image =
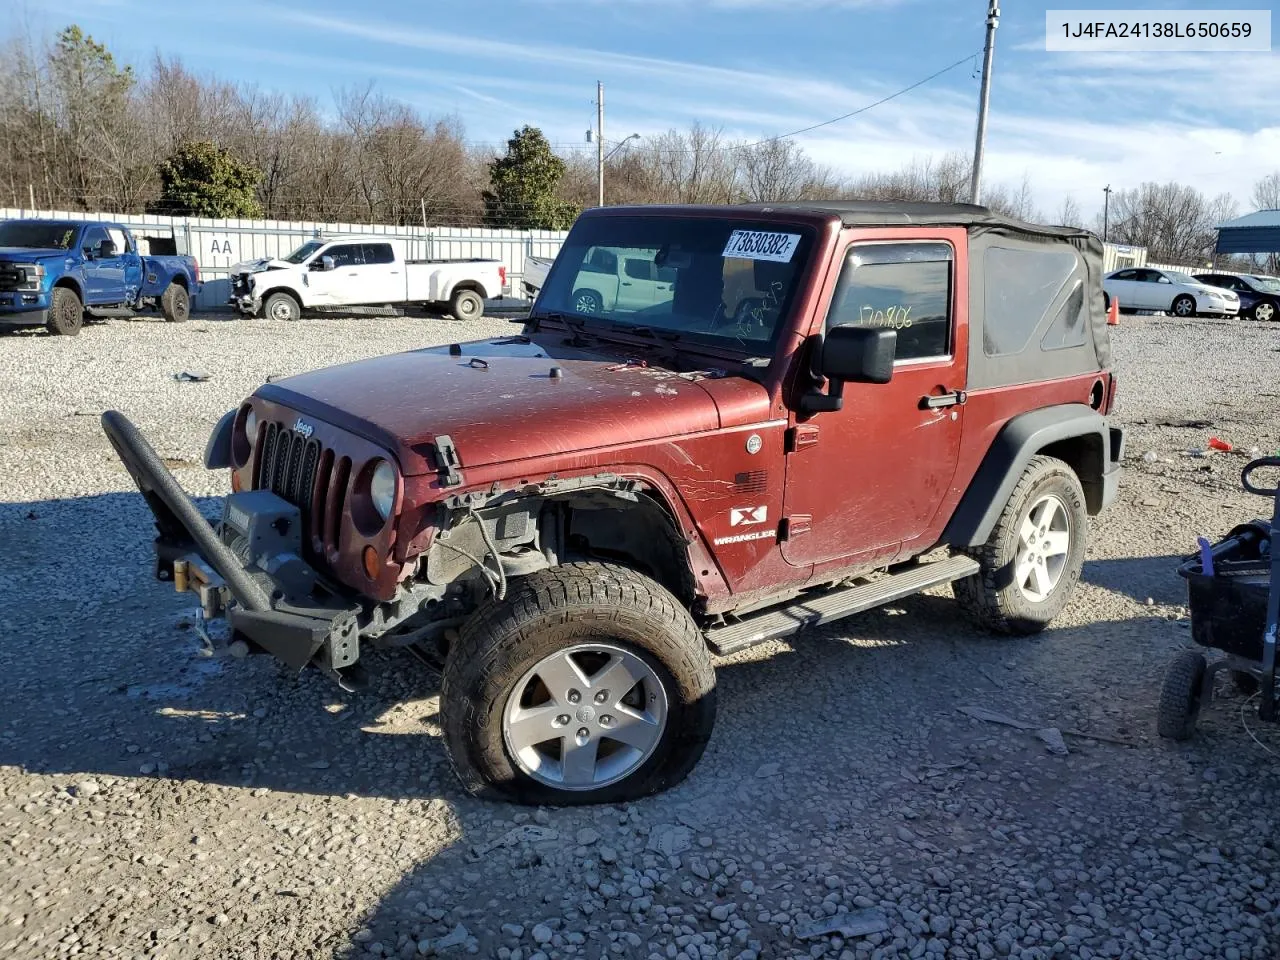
(466, 305)
(1031, 562)
(1184, 306)
(281, 306)
(588, 683)
(1263, 310)
(66, 313)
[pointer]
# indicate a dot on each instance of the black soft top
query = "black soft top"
(879, 213)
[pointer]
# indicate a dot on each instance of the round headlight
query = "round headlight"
(251, 426)
(382, 488)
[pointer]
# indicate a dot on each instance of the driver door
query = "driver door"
(866, 479)
(97, 272)
(341, 285)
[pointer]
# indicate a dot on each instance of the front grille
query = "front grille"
(297, 469)
(240, 284)
(11, 277)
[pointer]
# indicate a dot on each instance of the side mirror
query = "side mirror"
(849, 354)
(858, 354)
(320, 264)
(106, 249)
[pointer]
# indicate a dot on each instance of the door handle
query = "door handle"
(626, 283)
(943, 400)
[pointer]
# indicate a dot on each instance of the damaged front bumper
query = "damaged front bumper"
(247, 568)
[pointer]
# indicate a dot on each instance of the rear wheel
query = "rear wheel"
(1180, 696)
(466, 305)
(1031, 562)
(281, 306)
(1263, 310)
(589, 683)
(175, 303)
(66, 313)
(1183, 306)
(588, 302)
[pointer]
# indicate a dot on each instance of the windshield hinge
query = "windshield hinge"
(447, 461)
(804, 435)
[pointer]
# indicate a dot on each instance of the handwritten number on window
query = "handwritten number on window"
(895, 318)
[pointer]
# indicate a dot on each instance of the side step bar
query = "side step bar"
(823, 608)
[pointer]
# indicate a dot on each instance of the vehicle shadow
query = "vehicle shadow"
(133, 695)
(1140, 578)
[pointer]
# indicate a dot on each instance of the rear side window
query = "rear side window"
(378, 253)
(1022, 285)
(904, 286)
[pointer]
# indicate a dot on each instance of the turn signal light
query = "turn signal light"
(372, 563)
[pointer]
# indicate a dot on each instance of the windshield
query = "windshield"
(304, 251)
(37, 236)
(722, 280)
(1264, 284)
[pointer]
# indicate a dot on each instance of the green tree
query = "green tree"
(201, 179)
(523, 186)
(91, 109)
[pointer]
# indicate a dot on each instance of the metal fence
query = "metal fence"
(217, 244)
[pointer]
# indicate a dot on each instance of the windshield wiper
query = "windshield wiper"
(641, 331)
(573, 322)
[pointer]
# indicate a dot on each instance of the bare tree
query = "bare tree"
(1069, 213)
(1266, 192)
(1175, 222)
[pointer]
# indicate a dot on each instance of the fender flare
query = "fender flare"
(1018, 441)
(217, 452)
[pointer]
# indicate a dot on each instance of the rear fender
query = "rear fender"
(1073, 432)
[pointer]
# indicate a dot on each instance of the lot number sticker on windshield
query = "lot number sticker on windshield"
(756, 245)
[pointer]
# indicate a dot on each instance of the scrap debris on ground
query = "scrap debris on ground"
(159, 802)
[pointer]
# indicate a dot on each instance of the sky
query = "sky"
(1071, 123)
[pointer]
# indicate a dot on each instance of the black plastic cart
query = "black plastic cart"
(1233, 589)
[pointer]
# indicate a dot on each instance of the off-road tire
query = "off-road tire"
(587, 302)
(1184, 305)
(548, 611)
(466, 305)
(281, 306)
(991, 598)
(66, 313)
(175, 303)
(1180, 696)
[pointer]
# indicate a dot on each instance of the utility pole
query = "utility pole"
(1106, 211)
(993, 21)
(423, 202)
(31, 191)
(600, 140)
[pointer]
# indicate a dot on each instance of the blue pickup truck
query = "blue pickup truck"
(56, 273)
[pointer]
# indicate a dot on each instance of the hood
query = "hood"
(28, 254)
(498, 402)
(257, 266)
(1214, 291)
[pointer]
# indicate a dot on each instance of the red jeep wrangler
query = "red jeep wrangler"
(719, 425)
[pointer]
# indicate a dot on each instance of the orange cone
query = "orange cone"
(1113, 314)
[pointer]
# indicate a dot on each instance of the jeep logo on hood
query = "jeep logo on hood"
(301, 426)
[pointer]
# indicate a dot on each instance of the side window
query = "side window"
(905, 286)
(93, 237)
(1022, 284)
(119, 238)
(601, 260)
(345, 255)
(638, 269)
(378, 253)
(1126, 275)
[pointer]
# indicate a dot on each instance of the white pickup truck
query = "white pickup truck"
(348, 271)
(610, 277)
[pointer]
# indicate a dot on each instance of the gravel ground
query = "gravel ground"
(158, 803)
